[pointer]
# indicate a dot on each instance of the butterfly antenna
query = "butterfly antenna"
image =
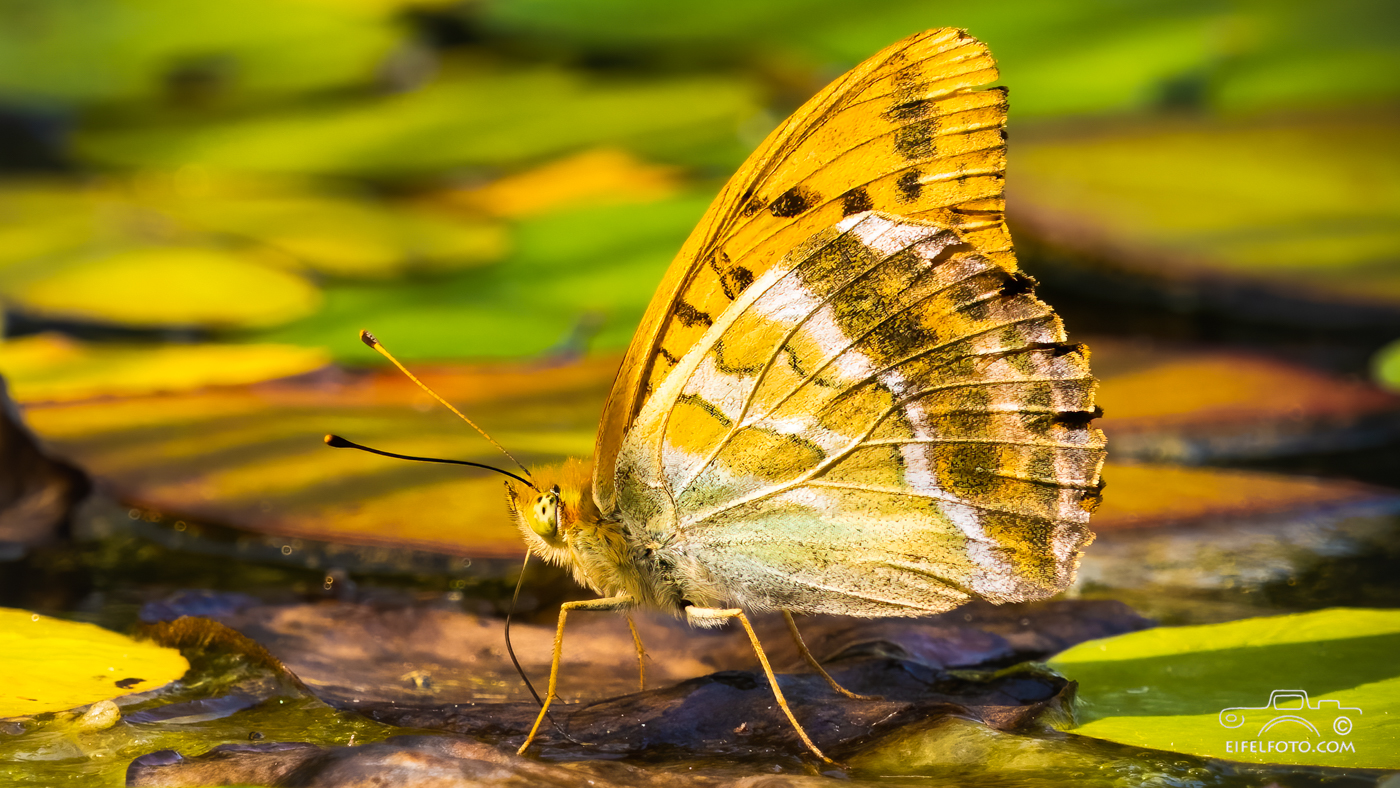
(337, 442)
(511, 650)
(368, 338)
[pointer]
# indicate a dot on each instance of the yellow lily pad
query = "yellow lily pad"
(52, 367)
(594, 177)
(51, 665)
(169, 286)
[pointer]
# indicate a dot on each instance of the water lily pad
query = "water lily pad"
(1155, 495)
(52, 665)
(571, 272)
(310, 225)
(1387, 366)
(595, 177)
(51, 367)
(1290, 220)
(348, 237)
(174, 286)
(1317, 688)
(253, 457)
(1190, 405)
(146, 50)
(1162, 54)
(482, 118)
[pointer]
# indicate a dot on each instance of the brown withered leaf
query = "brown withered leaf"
(428, 655)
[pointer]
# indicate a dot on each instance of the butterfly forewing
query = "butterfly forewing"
(887, 421)
(904, 133)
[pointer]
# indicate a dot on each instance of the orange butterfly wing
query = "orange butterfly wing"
(904, 132)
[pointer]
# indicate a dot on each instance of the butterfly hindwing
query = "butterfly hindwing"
(904, 132)
(887, 421)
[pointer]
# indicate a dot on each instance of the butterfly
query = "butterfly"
(844, 397)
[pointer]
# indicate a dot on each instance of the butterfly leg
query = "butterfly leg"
(817, 666)
(641, 655)
(705, 616)
(606, 603)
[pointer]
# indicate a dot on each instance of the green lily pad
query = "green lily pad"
(355, 238)
(158, 286)
(79, 52)
(1232, 58)
(313, 226)
(569, 270)
(52, 665)
(1387, 366)
(484, 118)
(1319, 688)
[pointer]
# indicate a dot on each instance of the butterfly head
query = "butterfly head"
(548, 513)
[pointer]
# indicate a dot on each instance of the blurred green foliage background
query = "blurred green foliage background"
(509, 178)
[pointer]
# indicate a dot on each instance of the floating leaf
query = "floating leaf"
(52, 665)
(51, 367)
(347, 237)
(312, 225)
(1162, 54)
(253, 456)
(146, 50)
(168, 286)
(599, 176)
(1387, 366)
(1214, 690)
(1143, 496)
(569, 269)
(1291, 220)
(1185, 405)
(484, 118)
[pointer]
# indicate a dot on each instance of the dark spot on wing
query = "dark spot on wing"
(915, 141)
(719, 263)
(909, 185)
(128, 683)
(1077, 419)
(856, 200)
(737, 279)
(793, 202)
(910, 110)
(691, 316)
(1018, 284)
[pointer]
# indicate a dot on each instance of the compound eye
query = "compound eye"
(544, 515)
